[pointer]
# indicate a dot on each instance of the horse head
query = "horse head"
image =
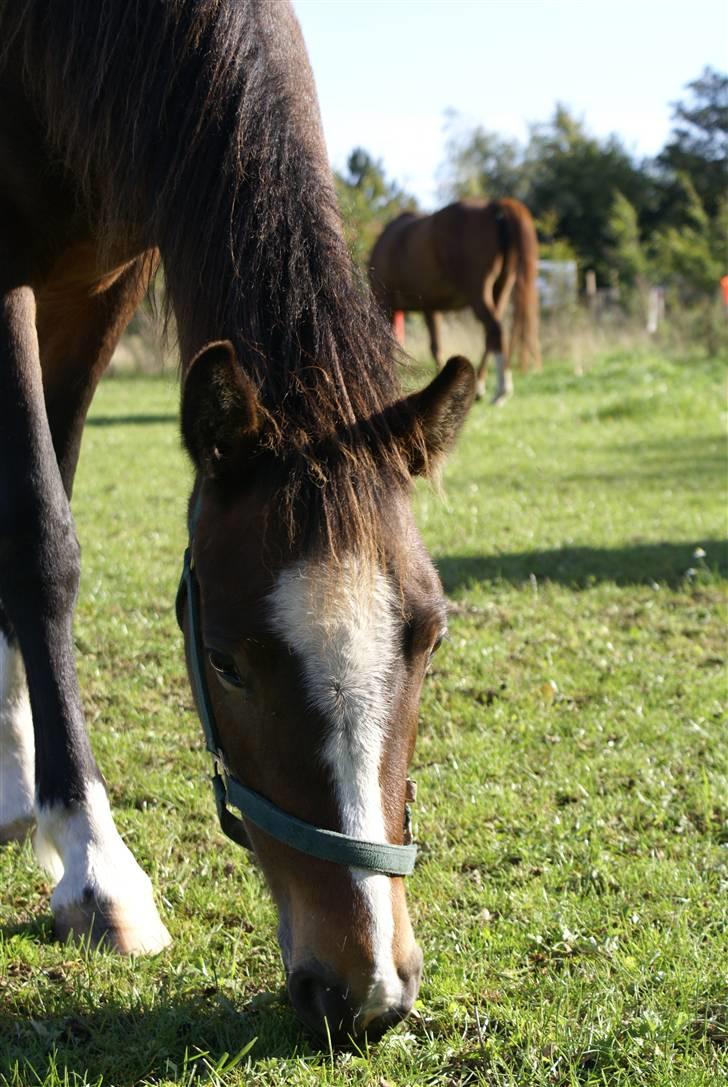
(318, 618)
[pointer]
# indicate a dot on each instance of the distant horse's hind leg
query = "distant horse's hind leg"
(433, 321)
(490, 313)
(101, 890)
(502, 293)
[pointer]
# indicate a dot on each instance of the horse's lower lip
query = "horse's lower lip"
(379, 1025)
(324, 1007)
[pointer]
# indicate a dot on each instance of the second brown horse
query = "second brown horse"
(471, 253)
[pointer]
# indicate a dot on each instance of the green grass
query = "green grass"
(571, 895)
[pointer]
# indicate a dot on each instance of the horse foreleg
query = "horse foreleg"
(101, 891)
(433, 320)
(17, 746)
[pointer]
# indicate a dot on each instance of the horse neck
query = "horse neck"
(255, 253)
(286, 299)
(268, 269)
(250, 277)
(198, 125)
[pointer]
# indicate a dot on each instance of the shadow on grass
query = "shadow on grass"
(119, 1046)
(580, 567)
(40, 929)
(131, 420)
(696, 461)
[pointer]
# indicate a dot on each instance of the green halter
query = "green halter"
(328, 845)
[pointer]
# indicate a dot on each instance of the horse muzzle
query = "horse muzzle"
(330, 1009)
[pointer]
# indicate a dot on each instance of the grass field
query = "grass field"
(572, 893)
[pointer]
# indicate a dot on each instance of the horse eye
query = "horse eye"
(436, 645)
(224, 666)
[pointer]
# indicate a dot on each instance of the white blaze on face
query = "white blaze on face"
(341, 623)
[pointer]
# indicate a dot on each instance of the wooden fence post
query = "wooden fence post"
(590, 285)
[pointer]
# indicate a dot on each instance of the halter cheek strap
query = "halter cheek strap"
(328, 845)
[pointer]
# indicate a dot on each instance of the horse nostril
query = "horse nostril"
(321, 1005)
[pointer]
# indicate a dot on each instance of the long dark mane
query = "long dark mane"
(192, 127)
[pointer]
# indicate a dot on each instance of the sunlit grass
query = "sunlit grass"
(571, 894)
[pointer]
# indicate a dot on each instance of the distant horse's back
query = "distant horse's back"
(404, 269)
(468, 242)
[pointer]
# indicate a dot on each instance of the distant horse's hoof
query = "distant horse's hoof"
(17, 831)
(480, 391)
(113, 926)
(501, 397)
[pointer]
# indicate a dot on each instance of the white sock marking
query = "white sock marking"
(84, 851)
(85, 848)
(17, 743)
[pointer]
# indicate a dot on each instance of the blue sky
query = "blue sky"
(387, 70)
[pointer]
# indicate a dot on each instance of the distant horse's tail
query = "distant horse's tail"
(523, 244)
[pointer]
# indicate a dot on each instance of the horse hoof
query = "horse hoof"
(479, 392)
(17, 831)
(113, 926)
(500, 398)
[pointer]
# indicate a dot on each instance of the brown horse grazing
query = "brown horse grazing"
(473, 254)
(188, 132)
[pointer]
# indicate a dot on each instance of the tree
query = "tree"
(551, 246)
(567, 178)
(368, 202)
(698, 147)
(482, 163)
(689, 257)
(574, 179)
(625, 250)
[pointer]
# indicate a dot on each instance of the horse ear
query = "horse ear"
(220, 416)
(437, 413)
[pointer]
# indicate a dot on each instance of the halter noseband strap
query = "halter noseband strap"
(328, 845)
